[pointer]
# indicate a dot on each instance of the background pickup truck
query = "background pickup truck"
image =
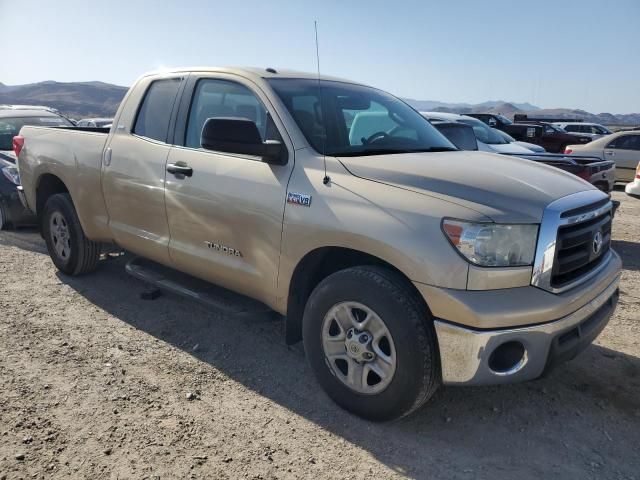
(400, 261)
(553, 138)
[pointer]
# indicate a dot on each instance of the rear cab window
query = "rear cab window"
(155, 111)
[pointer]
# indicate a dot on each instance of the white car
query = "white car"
(621, 147)
(633, 188)
(592, 129)
(489, 139)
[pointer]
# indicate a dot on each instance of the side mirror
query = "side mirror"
(241, 135)
(460, 134)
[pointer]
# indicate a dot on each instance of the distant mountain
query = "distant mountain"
(510, 109)
(434, 105)
(75, 99)
(99, 99)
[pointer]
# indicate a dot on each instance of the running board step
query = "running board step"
(171, 280)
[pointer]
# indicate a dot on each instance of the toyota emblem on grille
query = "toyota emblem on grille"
(597, 242)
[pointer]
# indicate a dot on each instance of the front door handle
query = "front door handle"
(610, 152)
(180, 169)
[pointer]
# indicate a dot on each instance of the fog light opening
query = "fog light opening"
(508, 358)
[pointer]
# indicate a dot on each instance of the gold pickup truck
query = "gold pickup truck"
(400, 261)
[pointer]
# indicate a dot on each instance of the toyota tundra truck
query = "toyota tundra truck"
(401, 262)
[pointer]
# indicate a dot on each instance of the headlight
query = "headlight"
(12, 174)
(493, 244)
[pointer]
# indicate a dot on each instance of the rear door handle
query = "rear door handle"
(180, 169)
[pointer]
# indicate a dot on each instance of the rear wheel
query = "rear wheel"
(371, 343)
(71, 251)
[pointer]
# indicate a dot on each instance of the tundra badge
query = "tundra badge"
(299, 199)
(223, 248)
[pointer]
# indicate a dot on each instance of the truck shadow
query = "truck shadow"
(24, 238)
(518, 429)
(629, 252)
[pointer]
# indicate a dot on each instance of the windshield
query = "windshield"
(10, 127)
(103, 123)
(484, 132)
(504, 119)
(359, 120)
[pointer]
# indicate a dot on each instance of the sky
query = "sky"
(574, 54)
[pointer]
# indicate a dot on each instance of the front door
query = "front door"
(625, 151)
(134, 170)
(225, 220)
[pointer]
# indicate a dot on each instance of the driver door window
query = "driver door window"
(226, 99)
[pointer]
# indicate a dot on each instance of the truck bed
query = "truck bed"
(74, 155)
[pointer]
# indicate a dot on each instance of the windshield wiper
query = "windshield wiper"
(391, 151)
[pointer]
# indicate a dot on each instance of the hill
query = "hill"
(510, 109)
(75, 99)
(99, 99)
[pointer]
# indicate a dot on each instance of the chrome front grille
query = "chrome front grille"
(574, 241)
(578, 251)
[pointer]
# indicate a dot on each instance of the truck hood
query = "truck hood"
(503, 188)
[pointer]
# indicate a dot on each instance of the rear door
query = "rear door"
(226, 218)
(625, 151)
(134, 168)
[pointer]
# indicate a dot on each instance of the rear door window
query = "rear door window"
(626, 142)
(155, 112)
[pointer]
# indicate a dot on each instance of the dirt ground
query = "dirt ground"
(97, 383)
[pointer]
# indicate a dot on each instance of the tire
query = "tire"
(79, 255)
(412, 342)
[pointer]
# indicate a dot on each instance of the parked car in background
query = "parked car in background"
(95, 122)
(12, 119)
(400, 261)
(599, 173)
(494, 120)
(489, 140)
(593, 129)
(621, 147)
(529, 146)
(547, 135)
(554, 139)
(633, 188)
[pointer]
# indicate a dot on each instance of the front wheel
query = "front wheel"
(71, 251)
(371, 343)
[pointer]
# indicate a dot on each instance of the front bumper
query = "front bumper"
(466, 353)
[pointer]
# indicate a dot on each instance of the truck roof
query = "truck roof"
(252, 72)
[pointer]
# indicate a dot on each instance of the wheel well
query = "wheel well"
(315, 267)
(48, 185)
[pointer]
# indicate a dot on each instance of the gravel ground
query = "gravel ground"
(97, 383)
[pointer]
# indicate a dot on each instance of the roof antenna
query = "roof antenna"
(326, 178)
